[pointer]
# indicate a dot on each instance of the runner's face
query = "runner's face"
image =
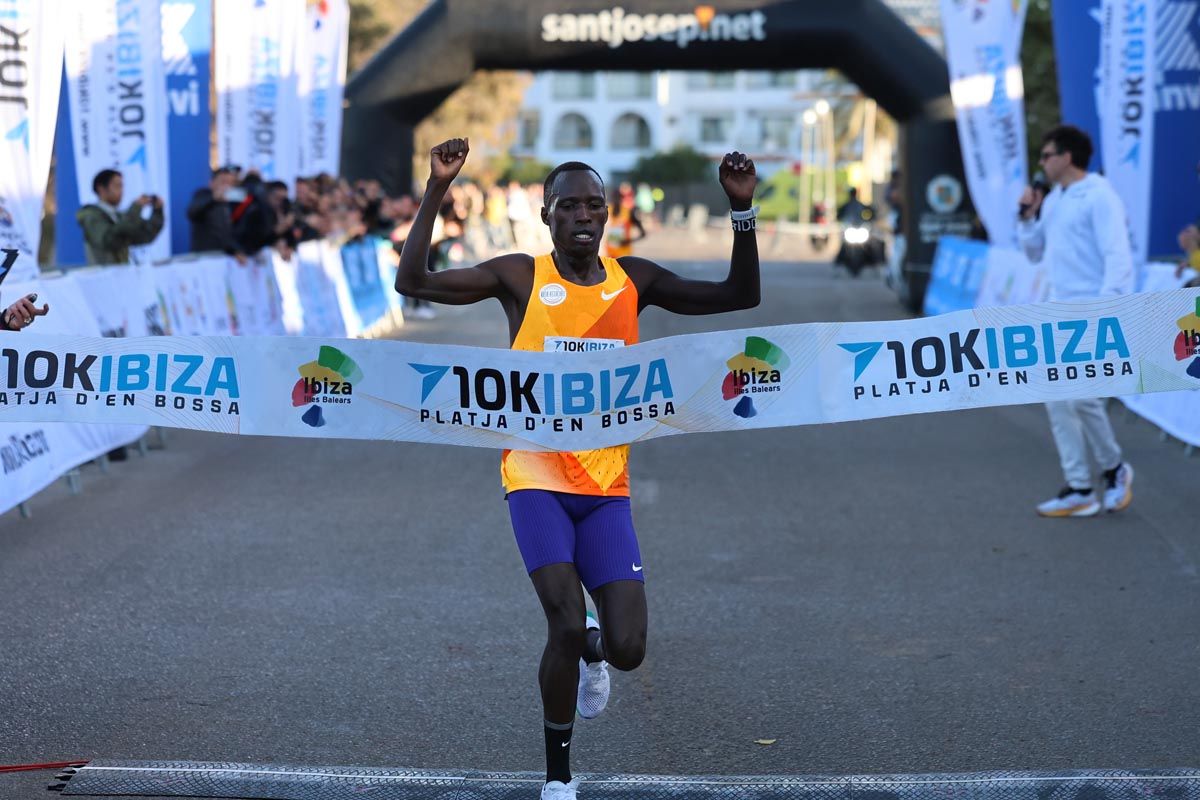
(576, 213)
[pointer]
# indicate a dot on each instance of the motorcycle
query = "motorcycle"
(861, 243)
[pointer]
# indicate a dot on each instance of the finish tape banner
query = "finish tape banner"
(588, 393)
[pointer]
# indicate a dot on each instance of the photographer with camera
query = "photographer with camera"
(1079, 230)
(108, 232)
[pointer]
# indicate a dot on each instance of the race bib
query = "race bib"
(571, 344)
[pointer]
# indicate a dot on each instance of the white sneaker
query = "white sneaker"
(1118, 493)
(594, 683)
(557, 790)
(1070, 503)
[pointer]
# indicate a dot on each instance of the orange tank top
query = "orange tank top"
(561, 310)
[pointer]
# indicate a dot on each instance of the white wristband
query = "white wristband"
(749, 213)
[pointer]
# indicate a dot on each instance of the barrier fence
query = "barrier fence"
(971, 274)
(324, 290)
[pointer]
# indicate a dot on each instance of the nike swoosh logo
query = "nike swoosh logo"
(567, 742)
(605, 296)
(637, 568)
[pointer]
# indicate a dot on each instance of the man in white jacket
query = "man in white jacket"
(1079, 230)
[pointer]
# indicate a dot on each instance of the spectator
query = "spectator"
(1079, 231)
(1189, 242)
(210, 214)
(255, 220)
(108, 233)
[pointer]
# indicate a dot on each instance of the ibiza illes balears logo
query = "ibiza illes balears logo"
(1187, 342)
(758, 369)
(327, 381)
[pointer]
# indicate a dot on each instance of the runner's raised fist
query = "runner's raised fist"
(447, 158)
(738, 179)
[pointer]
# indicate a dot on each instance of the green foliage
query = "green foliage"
(680, 165)
(523, 170)
(1040, 68)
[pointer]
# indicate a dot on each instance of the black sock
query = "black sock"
(558, 751)
(593, 650)
(1110, 475)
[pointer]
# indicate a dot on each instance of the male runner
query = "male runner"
(570, 511)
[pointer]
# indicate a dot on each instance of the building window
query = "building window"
(528, 128)
(630, 132)
(573, 86)
(630, 85)
(777, 131)
(771, 80)
(573, 132)
(710, 80)
(715, 128)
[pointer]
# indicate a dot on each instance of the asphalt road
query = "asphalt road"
(876, 597)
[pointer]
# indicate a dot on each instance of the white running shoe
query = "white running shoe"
(594, 683)
(1070, 503)
(1118, 494)
(557, 790)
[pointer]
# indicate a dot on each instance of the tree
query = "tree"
(482, 109)
(1040, 68)
(682, 164)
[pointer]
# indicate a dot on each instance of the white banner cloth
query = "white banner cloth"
(322, 80)
(1128, 79)
(35, 454)
(983, 52)
(258, 113)
(730, 380)
(31, 49)
(118, 93)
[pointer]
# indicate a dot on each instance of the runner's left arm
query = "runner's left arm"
(740, 289)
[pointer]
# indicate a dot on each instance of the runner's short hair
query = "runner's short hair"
(570, 166)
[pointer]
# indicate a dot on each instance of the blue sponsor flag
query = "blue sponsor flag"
(68, 236)
(1176, 145)
(187, 52)
(1175, 191)
(1077, 52)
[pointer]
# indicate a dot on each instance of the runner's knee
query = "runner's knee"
(625, 652)
(566, 636)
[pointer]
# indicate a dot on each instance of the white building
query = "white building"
(609, 119)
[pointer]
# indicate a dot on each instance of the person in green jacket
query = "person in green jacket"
(109, 232)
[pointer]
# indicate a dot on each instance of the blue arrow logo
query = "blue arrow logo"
(863, 352)
(430, 376)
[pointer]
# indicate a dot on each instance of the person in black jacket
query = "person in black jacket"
(210, 213)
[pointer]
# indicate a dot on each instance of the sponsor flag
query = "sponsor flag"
(31, 41)
(258, 113)
(322, 79)
(186, 53)
(983, 52)
(117, 98)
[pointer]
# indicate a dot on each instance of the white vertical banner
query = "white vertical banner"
(258, 113)
(983, 52)
(31, 47)
(1128, 75)
(322, 79)
(117, 88)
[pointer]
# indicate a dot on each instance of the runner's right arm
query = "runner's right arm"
(454, 286)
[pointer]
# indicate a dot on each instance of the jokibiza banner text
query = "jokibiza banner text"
(584, 394)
